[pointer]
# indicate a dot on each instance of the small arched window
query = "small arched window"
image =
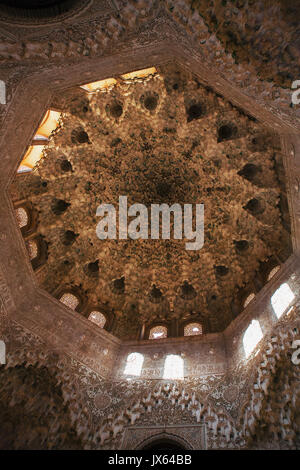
(249, 299)
(252, 337)
(173, 368)
(70, 300)
(273, 272)
(281, 299)
(158, 332)
(134, 364)
(98, 318)
(192, 329)
(22, 217)
(32, 249)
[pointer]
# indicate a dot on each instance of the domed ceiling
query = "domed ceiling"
(30, 10)
(162, 139)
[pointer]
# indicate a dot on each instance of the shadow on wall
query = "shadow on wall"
(33, 414)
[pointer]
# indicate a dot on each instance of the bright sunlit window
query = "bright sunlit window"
(173, 367)
(281, 299)
(134, 364)
(99, 85)
(31, 158)
(252, 337)
(35, 152)
(158, 332)
(139, 73)
(193, 329)
(48, 124)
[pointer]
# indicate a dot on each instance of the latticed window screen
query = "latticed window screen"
(158, 332)
(98, 318)
(69, 300)
(193, 329)
(32, 249)
(22, 217)
(273, 272)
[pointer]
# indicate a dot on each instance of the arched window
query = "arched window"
(158, 332)
(70, 300)
(22, 217)
(32, 248)
(173, 368)
(249, 299)
(192, 329)
(281, 299)
(37, 250)
(252, 337)
(273, 272)
(98, 318)
(134, 364)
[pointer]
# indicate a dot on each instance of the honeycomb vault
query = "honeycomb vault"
(164, 139)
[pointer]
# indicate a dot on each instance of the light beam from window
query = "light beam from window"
(173, 369)
(252, 337)
(134, 364)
